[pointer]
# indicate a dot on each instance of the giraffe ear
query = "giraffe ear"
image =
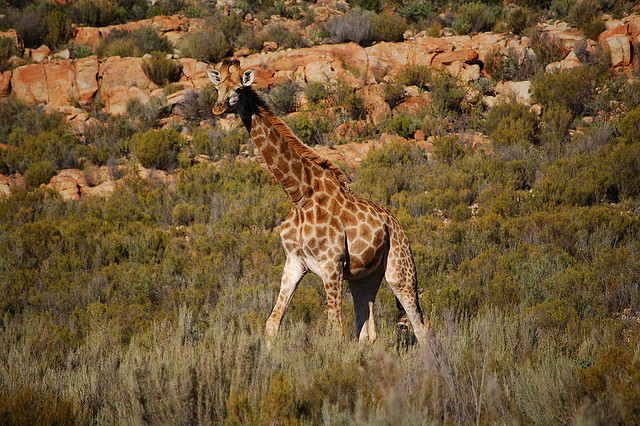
(247, 78)
(214, 76)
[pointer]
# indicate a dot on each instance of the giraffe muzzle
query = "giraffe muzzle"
(219, 109)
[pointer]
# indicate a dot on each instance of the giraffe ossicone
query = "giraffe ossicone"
(331, 231)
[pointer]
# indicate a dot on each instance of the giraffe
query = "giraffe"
(330, 231)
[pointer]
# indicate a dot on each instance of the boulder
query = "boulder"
(520, 91)
(467, 56)
(5, 83)
(386, 58)
(61, 82)
(68, 184)
(29, 84)
(620, 48)
(120, 73)
(86, 75)
(88, 36)
(415, 106)
(464, 72)
(619, 30)
(562, 31)
(116, 103)
(565, 64)
(102, 190)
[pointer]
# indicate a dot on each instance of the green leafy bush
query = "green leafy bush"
(415, 75)
(207, 44)
(475, 17)
(630, 126)
(7, 51)
(416, 10)
(283, 37)
(546, 47)
(197, 106)
(38, 173)
(161, 70)
(519, 19)
(404, 125)
(387, 26)
(59, 29)
(393, 94)
(157, 148)
(218, 143)
(96, 13)
(572, 89)
(446, 93)
(312, 129)
(133, 43)
(511, 124)
(284, 97)
(316, 92)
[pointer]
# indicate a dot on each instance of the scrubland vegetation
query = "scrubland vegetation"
(148, 306)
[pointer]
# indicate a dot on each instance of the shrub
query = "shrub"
(207, 44)
(388, 27)
(7, 51)
(475, 18)
(284, 97)
(520, 18)
(133, 43)
(404, 125)
(28, 406)
(572, 89)
(511, 124)
(547, 48)
(630, 126)
(447, 149)
(555, 125)
(623, 166)
(78, 51)
(218, 143)
(415, 75)
(416, 10)
(316, 91)
(157, 148)
(283, 37)
(583, 12)
(161, 70)
(146, 115)
(197, 106)
(312, 130)
(393, 94)
(38, 173)
(30, 25)
(58, 29)
(355, 27)
(593, 28)
(371, 5)
(447, 95)
(95, 13)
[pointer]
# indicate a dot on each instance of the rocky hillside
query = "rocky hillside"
(81, 88)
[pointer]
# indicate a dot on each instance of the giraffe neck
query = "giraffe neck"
(286, 164)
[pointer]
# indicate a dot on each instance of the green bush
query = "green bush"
(59, 29)
(404, 125)
(511, 124)
(316, 92)
(519, 19)
(284, 97)
(161, 70)
(207, 44)
(447, 95)
(393, 94)
(133, 43)
(475, 17)
(415, 75)
(371, 5)
(583, 12)
(510, 67)
(572, 89)
(312, 129)
(630, 126)
(623, 167)
(387, 26)
(197, 106)
(447, 149)
(96, 13)
(218, 143)
(7, 51)
(38, 173)
(416, 10)
(547, 48)
(283, 37)
(355, 27)
(30, 24)
(157, 148)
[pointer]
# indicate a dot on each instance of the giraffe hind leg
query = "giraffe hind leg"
(364, 293)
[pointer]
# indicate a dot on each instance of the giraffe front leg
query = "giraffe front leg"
(291, 275)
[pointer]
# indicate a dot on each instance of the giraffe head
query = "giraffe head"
(231, 82)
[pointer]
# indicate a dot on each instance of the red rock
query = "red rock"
(66, 183)
(29, 84)
(61, 82)
(386, 58)
(88, 36)
(467, 56)
(5, 83)
(40, 54)
(419, 135)
(620, 48)
(620, 30)
(117, 101)
(86, 77)
(415, 105)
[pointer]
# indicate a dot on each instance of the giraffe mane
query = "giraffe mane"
(300, 147)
